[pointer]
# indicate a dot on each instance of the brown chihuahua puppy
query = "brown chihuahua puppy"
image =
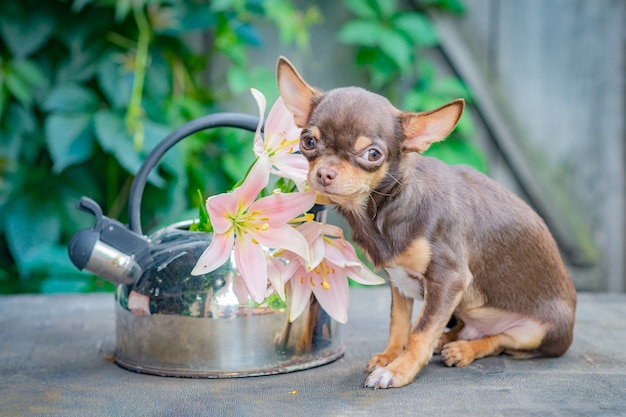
(448, 234)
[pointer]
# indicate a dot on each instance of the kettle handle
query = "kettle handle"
(237, 120)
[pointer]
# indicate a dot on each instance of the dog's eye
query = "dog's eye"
(307, 143)
(373, 155)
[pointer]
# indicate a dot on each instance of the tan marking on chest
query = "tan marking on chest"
(415, 259)
(407, 269)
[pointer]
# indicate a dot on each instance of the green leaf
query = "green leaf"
(116, 84)
(18, 88)
(417, 27)
(236, 166)
(63, 283)
(396, 47)
(80, 65)
(69, 138)
(71, 98)
(78, 5)
(29, 223)
(412, 101)
(123, 8)
(361, 8)
(238, 80)
(75, 182)
(465, 127)
(19, 124)
(197, 16)
(29, 72)
(27, 31)
(158, 79)
(381, 68)
(51, 258)
(361, 32)
(173, 160)
(452, 87)
(427, 72)
(386, 7)
(452, 6)
(112, 135)
(204, 223)
(4, 98)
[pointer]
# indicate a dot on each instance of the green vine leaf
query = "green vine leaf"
(115, 82)
(112, 135)
(29, 223)
(71, 98)
(396, 47)
(25, 31)
(69, 138)
(386, 8)
(360, 32)
(362, 8)
(416, 27)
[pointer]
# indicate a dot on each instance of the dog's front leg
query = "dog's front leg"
(440, 300)
(399, 330)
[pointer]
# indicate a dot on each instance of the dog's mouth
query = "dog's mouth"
(352, 200)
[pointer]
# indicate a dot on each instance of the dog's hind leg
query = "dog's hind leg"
(521, 340)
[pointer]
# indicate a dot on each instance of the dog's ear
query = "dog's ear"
(420, 130)
(296, 93)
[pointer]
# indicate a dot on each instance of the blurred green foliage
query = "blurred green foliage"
(89, 87)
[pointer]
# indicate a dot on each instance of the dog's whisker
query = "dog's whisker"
(381, 193)
(374, 207)
(395, 179)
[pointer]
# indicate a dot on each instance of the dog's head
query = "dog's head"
(353, 138)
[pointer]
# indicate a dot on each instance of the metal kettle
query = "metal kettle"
(120, 253)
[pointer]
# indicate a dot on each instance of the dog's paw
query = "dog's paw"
(439, 345)
(388, 377)
(459, 353)
(380, 378)
(378, 361)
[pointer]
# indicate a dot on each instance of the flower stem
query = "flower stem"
(134, 113)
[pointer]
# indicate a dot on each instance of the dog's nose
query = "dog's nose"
(325, 176)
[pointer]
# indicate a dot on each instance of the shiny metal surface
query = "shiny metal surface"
(198, 326)
(109, 263)
(172, 345)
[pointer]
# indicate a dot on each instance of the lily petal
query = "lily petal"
(341, 253)
(291, 166)
(256, 180)
(215, 255)
(334, 300)
(221, 209)
(280, 208)
(299, 296)
(280, 125)
(312, 233)
(250, 260)
(363, 275)
(261, 103)
(275, 270)
(284, 237)
(240, 290)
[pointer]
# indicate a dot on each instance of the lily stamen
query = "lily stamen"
(308, 217)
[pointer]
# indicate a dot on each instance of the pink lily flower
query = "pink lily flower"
(247, 224)
(335, 260)
(281, 143)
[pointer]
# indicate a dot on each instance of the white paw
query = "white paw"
(380, 378)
